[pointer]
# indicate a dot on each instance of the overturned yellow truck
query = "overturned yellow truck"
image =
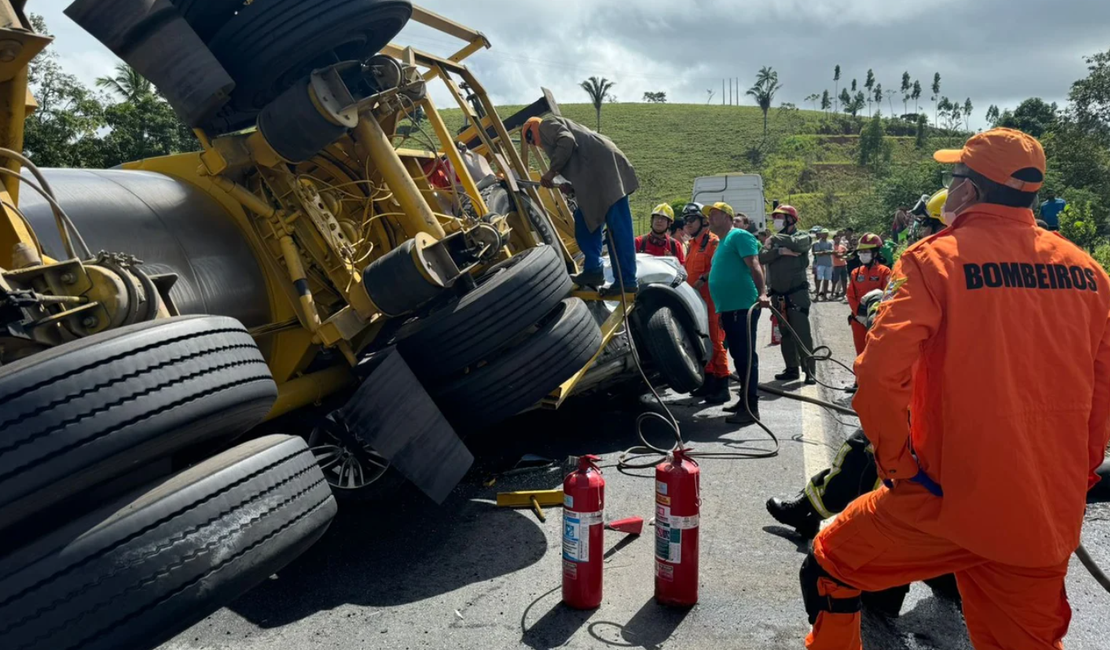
(334, 263)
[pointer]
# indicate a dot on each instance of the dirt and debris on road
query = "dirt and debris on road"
(470, 575)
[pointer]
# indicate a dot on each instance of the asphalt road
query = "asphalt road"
(469, 575)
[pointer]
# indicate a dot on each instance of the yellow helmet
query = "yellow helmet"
(665, 211)
(932, 207)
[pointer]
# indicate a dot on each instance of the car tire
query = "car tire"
(511, 297)
(671, 352)
(524, 374)
(345, 461)
(148, 566)
(85, 412)
(271, 44)
(499, 201)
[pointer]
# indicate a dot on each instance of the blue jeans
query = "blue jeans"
(619, 221)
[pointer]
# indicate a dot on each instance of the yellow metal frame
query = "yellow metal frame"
(297, 244)
(610, 328)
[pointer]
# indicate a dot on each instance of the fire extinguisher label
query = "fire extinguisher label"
(661, 488)
(664, 571)
(576, 534)
(668, 540)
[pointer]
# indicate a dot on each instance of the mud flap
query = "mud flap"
(393, 413)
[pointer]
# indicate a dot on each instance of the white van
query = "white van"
(744, 192)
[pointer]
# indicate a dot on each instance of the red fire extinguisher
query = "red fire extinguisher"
(677, 506)
(583, 534)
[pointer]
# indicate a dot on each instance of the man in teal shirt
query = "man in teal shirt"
(736, 283)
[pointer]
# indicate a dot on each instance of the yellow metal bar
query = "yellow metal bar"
(472, 47)
(609, 328)
(418, 215)
(13, 110)
(245, 197)
(525, 498)
(453, 155)
(296, 273)
(309, 389)
(445, 25)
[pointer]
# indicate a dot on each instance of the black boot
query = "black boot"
(589, 279)
(720, 393)
(851, 390)
(614, 291)
(886, 603)
(798, 513)
(743, 418)
(791, 374)
(810, 380)
(706, 388)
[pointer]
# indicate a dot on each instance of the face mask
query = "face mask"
(951, 214)
(780, 224)
(865, 258)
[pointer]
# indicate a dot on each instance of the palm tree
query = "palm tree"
(906, 92)
(598, 90)
(766, 85)
(826, 101)
(936, 98)
(869, 84)
(127, 83)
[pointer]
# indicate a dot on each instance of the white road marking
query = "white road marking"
(815, 445)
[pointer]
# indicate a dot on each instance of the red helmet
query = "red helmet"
(870, 241)
(787, 210)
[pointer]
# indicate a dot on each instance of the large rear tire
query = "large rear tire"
(510, 298)
(150, 565)
(522, 375)
(86, 412)
(270, 44)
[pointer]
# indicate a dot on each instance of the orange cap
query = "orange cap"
(532, 126)
(1005, 156)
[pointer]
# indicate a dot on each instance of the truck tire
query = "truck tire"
(88, 411)
(206, 17)
(511, 297)
(499, 201)
(522, 375)
(671, 351)
(271, 44)
(148, 566)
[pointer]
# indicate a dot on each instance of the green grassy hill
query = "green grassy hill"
(801, 161)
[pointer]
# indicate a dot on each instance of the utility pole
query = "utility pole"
(722, 92)
(730, 91)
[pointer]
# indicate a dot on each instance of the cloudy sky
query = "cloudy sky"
(993, 51)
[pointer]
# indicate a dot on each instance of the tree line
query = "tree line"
(122, 119)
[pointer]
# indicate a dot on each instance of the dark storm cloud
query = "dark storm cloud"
(993, 51)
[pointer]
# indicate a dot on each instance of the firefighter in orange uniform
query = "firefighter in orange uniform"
(699, 260)
(871, 274)
(990, 478)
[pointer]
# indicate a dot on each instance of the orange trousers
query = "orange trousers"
(718, 363)
(873, 546)
(859, 336)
